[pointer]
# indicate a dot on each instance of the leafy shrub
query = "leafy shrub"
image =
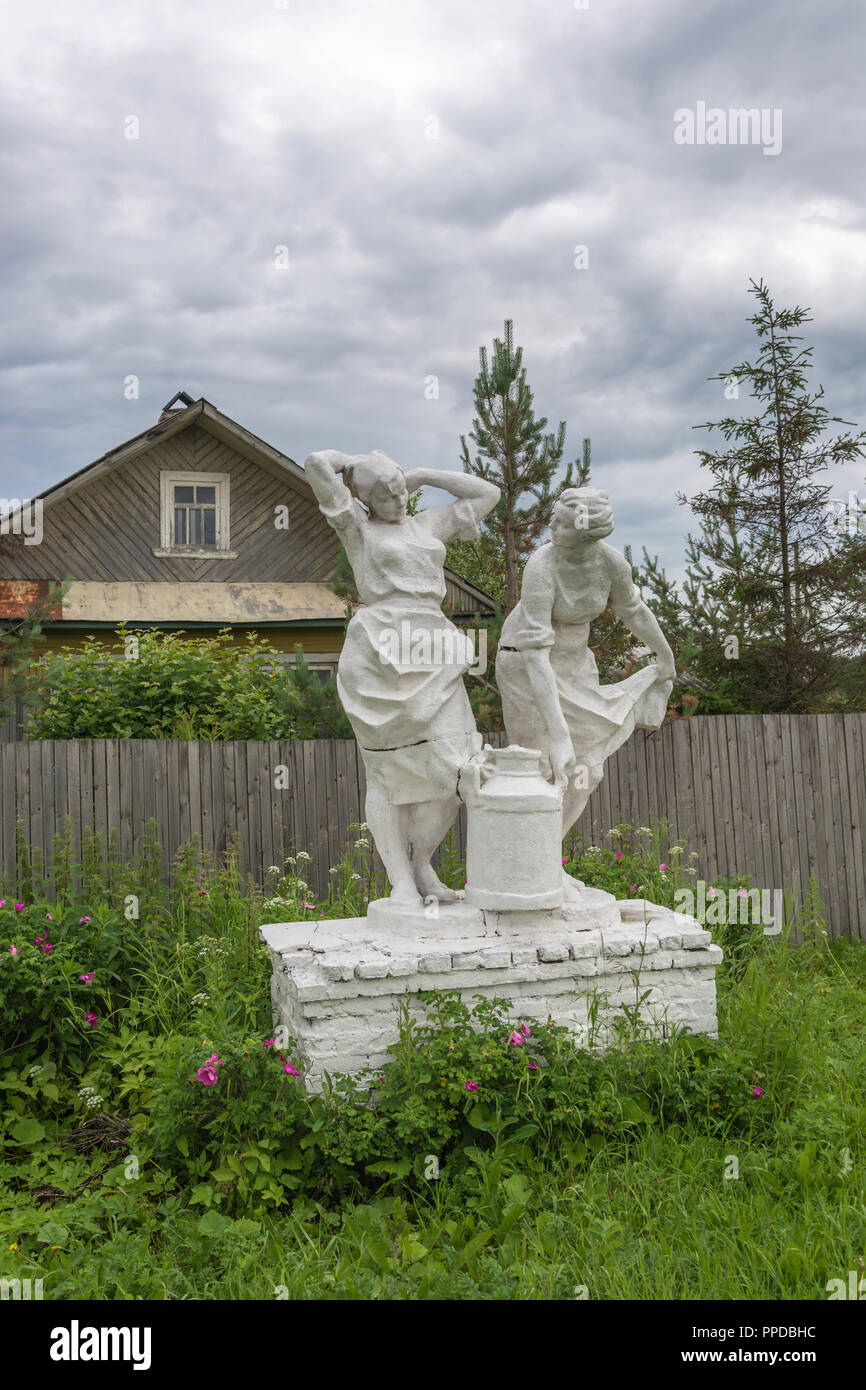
(231, 1115)
(54, 983)
(178, 687)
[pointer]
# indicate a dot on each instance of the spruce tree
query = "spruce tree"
(768, 569)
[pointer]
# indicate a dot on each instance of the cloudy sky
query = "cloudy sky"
(430, 168)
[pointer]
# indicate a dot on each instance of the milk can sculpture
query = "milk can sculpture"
(514, 832)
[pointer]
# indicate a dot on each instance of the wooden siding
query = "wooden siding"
(107, 529)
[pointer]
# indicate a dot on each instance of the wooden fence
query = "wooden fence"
(781, 798)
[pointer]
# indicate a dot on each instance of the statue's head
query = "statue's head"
(581, 514)
(379, 483)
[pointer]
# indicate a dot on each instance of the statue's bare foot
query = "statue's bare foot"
(432, 886)
(572, 888)
(405, 894)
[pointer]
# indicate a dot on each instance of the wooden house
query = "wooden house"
(194, 525)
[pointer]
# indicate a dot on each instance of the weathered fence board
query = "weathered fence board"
(781, 798)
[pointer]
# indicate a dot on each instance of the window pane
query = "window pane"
(205, 494)
(194, 527)
(184, 494)
(209, 518)
(179, 526)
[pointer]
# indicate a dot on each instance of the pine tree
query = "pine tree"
(514, 452)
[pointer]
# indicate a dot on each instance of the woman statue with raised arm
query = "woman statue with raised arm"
(400, 673)
(552, 698)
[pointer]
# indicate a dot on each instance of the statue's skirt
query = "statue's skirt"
(599, 717)
(400, 679)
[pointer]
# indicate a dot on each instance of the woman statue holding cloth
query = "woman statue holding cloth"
(552, 698)
(400, 673)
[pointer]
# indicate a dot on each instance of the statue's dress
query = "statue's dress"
(400, 672)
(555, 611)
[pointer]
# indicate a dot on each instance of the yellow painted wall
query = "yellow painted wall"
(312, 639)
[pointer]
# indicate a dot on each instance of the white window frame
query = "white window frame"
(167, 483)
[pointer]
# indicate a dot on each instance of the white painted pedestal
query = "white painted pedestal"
(338, 985)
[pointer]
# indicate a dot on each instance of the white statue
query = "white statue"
(400, 673)
(552, 698)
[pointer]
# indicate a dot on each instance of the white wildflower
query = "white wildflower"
(302, 854)
(34, 1071)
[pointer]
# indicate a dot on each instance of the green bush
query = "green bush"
(55, 980)
(179, 687)
(231, 1115)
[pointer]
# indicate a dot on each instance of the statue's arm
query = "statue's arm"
(543, 683)
(481, 494)
(627, 604)
(535, 642)
(323, 470)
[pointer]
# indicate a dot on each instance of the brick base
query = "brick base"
(337, 986)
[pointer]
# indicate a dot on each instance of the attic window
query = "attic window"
(195, 515)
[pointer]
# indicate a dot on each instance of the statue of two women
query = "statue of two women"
(413, 721)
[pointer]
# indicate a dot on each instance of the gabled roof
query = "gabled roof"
(202, 413)
(172, 422)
